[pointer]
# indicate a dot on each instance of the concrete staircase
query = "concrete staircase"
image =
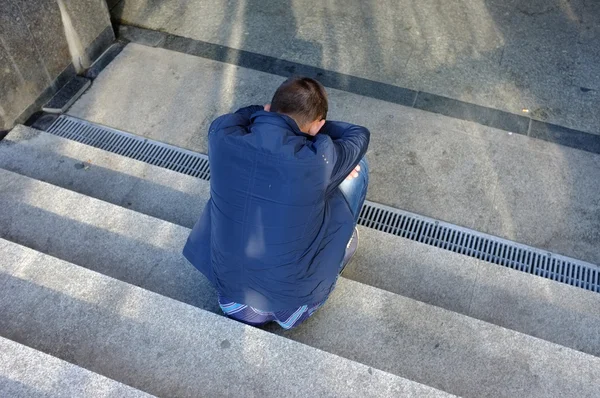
(91, 270)
(163, 346)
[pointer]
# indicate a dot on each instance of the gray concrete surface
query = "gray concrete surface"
(446, 350)
(129, 183)
(539, 307)
(165, 347)
(515, 300)
(90, 29)
(178, 94)
(540, 55)
(25, 372)
(126, 245)
(38, 49)
(19, 61)
(527, 190)
(436, 347)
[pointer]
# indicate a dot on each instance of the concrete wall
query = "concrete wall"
(43, 43)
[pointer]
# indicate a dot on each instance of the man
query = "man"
(286, 191)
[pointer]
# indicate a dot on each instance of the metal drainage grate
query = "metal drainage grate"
(156, 153)
(481, 246)
(380, 217)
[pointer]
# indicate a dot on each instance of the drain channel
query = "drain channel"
(481, 246)
(376, 216)
(132, 146)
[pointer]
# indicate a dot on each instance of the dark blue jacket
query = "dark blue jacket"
(274, 232)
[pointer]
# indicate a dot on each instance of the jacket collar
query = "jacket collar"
(280, 120)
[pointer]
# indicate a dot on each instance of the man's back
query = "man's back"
(268, 204)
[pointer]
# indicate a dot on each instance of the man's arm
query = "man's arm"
(241, 117)
(350, 144)
(249, 110)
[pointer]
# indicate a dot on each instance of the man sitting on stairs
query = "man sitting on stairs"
(286, 190)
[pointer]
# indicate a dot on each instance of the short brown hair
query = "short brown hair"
(302, 98)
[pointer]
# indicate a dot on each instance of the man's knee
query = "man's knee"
(364, 170)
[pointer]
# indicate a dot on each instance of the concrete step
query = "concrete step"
(129, 183)
(448, 169)
(417, 341)
(529, 304)
(25, 372)
(162, 346)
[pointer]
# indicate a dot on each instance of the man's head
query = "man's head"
(304, 100)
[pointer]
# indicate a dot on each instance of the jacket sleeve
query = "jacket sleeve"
(350, 143)
(249, 110)
(241, 117)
